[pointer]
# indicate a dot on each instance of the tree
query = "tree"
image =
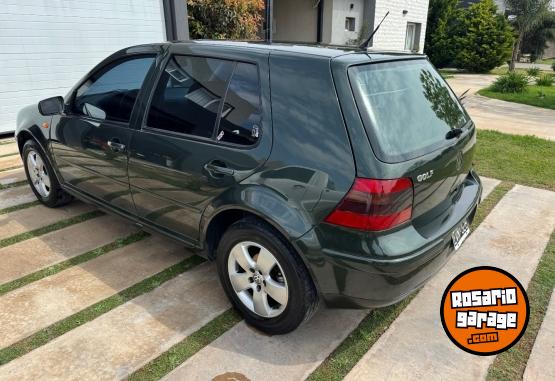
(483, 37)
(528, 14)
(225, 19)
(535, 41)
(439, 44)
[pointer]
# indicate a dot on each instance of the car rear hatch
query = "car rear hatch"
(417, 129)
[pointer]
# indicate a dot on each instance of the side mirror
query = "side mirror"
(51, 106)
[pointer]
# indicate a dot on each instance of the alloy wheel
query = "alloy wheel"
(38, 173)
(258, 279)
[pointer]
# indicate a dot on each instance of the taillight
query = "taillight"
(374, 205)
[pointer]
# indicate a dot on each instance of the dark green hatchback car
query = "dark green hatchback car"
(306, 173)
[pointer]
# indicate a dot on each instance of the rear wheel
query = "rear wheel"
(40, 176)
(264, 278)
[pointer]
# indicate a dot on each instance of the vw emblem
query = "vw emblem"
(459, 161)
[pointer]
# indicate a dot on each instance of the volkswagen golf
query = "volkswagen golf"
(308, 174)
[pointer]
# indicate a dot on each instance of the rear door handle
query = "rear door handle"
(218, 170)
(116, 146)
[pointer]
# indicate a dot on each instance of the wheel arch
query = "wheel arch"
(213, 228)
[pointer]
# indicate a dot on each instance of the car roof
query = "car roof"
(329, 51)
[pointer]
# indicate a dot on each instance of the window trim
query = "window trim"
(70, 104)
(144, 127)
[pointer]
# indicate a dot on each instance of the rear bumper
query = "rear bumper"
(354, 269)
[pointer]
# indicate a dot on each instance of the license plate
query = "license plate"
(460, 233)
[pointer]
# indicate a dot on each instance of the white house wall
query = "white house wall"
(47, 45)
(392, 33)
(342, 10)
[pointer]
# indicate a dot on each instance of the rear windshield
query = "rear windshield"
(406, 107)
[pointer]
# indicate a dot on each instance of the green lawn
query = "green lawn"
(548, 61)
(529, 97)
(505, 69)
(523, 160)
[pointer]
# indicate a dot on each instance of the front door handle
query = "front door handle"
(216, 170)
(116, 146)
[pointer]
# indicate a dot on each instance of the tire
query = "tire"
(266, 279)
(41, 177)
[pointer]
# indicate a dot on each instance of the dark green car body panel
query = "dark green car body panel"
(312, 146)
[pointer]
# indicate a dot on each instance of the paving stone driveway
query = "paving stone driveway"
(508, 117)
(126, 337)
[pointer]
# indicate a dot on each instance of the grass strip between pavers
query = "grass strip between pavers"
(58, 267)
(13, 185)
(49, 228)
(510, 365)
(183, 350)
(340, 362)
(10, 168)
(19, 207)
(63, 326)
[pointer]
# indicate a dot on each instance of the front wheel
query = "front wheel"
(264, 278)
(40, 176)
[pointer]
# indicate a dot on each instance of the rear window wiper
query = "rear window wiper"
(454, 133)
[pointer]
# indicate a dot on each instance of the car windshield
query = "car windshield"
(406, 107)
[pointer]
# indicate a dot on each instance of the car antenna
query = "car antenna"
(364, 45)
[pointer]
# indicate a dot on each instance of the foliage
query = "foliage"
(535, 41)
(511, 82)
(533, 71)
(439, 43)
(528, 15)
(483, 38)
(544, 80)
(225, 19)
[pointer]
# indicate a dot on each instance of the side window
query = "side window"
(110, 94)
(240, 121)
(189, 94)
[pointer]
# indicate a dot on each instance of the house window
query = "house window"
(412, 38)
(350, 24)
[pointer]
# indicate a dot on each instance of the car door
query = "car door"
(90, 139)
(206, 129)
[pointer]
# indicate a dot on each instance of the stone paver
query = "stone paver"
(10, 161)
(8, 149)
(42, 303)
(292, 357)
(124, 339)
(513, 237)
(31, 255)
(507, 117)
(488, 186)
(35, 217)
(541, 365)
(16, 196)
(260, 357)
(12, 176)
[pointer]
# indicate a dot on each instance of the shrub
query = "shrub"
(511, 82)
(225, 19)
(544, 80)
(439, 40)
(483, 38)
(533, 71)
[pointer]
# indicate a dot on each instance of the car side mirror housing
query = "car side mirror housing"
(51, 106)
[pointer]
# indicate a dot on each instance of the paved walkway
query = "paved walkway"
(541, 365)
(508, 117)
(124, 339)
(513, 237)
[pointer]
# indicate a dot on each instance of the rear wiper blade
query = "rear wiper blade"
(454, 133)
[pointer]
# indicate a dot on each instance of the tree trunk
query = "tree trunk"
(516, 51)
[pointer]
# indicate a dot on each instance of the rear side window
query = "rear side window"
(240, 119)
(110, 94)
(189, 94)
(406, 107)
